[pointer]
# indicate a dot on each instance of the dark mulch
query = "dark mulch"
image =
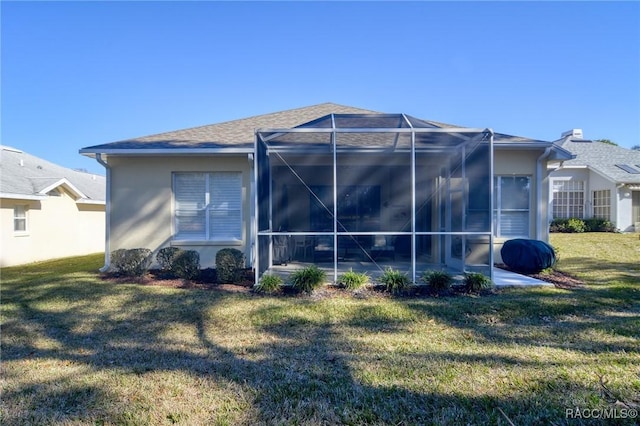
(207, 281)
(557, 278)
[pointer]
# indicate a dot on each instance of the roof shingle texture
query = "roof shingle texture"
(241, 133)
(603, 158)
(236, 133)
(25, 174)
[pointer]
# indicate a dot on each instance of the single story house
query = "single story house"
(602, 181)
(48, 211)
(334, 185)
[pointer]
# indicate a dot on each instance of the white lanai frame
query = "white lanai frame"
(441, 137)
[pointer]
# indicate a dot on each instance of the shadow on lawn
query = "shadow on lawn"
(303, 372)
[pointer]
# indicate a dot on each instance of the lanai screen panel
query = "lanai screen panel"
(373, 191)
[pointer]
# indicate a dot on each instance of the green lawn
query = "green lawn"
(77, 350)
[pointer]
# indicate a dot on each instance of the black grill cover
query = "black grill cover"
(527, 256)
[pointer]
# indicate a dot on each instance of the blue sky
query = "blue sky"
(76, 74)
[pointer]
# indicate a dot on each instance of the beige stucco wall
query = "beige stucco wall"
(142, 206)
(56, 227)
(523, 163)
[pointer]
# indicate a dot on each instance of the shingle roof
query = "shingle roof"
(22, 174)
(235, 133)
(603, 157)
(240, 134)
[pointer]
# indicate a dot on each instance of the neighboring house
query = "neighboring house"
(602, 181)
(48, 211)
(330, 184)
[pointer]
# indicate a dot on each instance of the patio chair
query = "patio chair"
(383, 247)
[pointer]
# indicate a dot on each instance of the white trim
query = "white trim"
(107, 214)
(63, 182)
(90, 201)
(220, 242)
(165, 151)
(13, 196)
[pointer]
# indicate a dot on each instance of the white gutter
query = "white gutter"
(539, 169)
(14, 196)
(107, 215)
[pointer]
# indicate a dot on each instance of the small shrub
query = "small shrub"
(395, 281)
(133, 262)
(166, 256)
(437, 280)
(599, 225)
(229, 265)
(570, 225)
(308, 279)
(475, 282)
(186, 264)
(268, 284)
(353, 280)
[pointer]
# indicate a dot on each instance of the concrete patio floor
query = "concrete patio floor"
(502, 278)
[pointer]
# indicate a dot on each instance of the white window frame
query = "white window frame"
(499, 211)
(20, 214)
(569, 187)
(602, 204)
(208, 207)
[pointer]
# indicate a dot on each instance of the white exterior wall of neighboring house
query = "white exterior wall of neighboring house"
(624, 211)
(142, 190)
(56, 226)
(621, 196)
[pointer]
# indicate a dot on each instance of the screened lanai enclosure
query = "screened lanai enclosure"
(372, 191)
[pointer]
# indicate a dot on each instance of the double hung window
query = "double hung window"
(20, 219)
(208, 206)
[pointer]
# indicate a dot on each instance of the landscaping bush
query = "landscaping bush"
(186, 264)
(268, 284)
(229, 265)
(308, 279)
(571, 225)
(475, 282)
(353, 280)
(133, 262)
(166, 256)
(599, 225)
(437, 280)
(395, 281)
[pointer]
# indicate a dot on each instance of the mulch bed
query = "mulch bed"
(557, 278)
(207, 281)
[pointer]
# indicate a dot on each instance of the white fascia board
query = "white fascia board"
(66, 183)
(168, 152)
(12, 196)
(90, 201)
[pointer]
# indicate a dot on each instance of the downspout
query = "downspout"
(107, 225)
(540, 211)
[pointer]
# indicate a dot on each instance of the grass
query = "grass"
(77, 350)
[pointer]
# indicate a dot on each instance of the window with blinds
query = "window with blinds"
(512, 205)
(208, 206)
